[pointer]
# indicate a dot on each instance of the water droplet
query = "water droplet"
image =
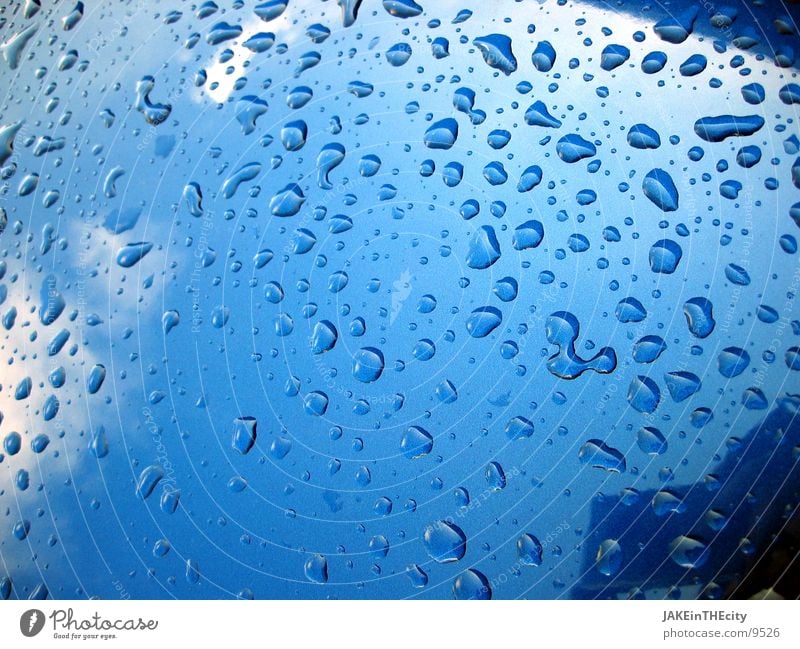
(529, 550)
(368, 364)
(316, 403)
(472, 584)
(732, 361)
(519, 428)
(483, 321)
(23, 390)
(629, 309)
(330, 157)
(528, 235)
(484, 248)
(288, 201)
(99, 443)
(270, 9)
(96, 377)
(682, 385)
(418, 577)
(11, 49)
(154, 113)
(445, 542)
(608, 560)
(222, 32)
(402, 8)
(260, 42)
(659, 187)
(192, 571)
(737, 275)
(665, 502)
(573, 148)
(717, 129)
(677, 27)
(665, 255)
(699, 318)
(496, 50)
(597, 454)
(651, 440)
(562, 329)
(170, 320)
(148, 479)
(688, 552)
(442, 134)
(648, 348)
(538, 115)
(398, 54)
(416, 442)
(613, 56)
(294, 135)
(243, 174)
(244, 434)
(193, 196)
(544, 56)
(495, 476)
(643, 394)
(323, 337)
(248, 109)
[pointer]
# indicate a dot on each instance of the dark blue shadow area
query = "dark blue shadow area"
(735, 512)
(293, 308)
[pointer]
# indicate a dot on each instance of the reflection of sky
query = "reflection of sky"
(261, 537)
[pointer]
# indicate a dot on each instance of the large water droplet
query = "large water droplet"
(368, 364)
(445, 542)
(244, 434)
(597, 454)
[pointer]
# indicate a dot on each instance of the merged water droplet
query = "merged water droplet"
(243, 174)
(154, 112)
(717, 129)
(562, 329)
(573, 148)
(330, 157)
(597, 454)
